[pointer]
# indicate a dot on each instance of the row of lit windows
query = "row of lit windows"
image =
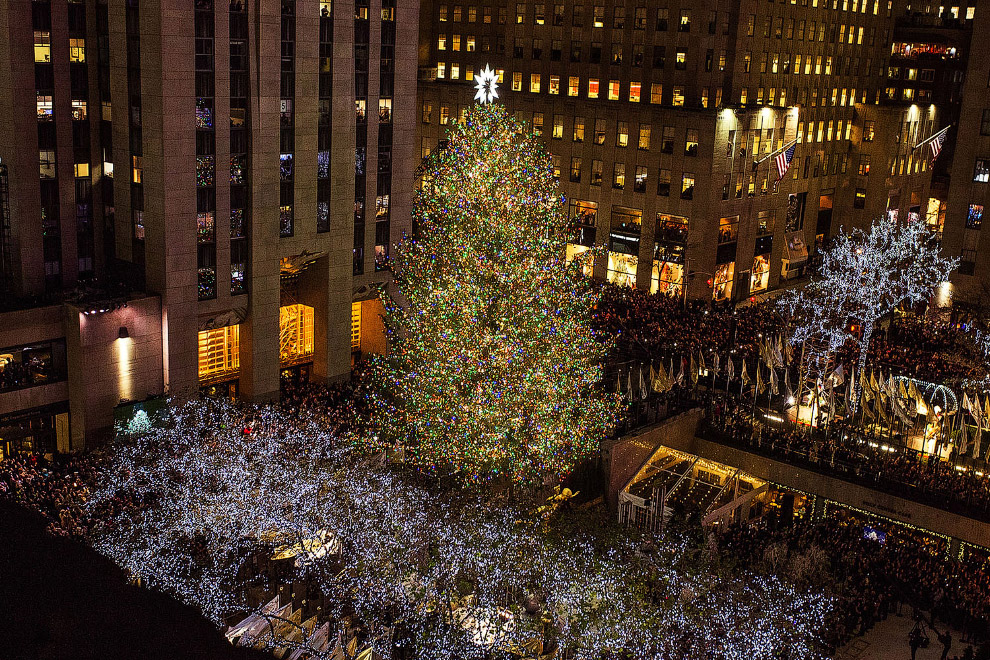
(796, 30)
(908, 94)
(219, 349)
(43, 48)
(839, 97)
(618, 18)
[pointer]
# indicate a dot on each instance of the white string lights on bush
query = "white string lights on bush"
(449, 569)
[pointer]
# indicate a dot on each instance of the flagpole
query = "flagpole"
(757, 163)
(931, 137)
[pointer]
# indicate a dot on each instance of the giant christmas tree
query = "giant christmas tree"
(492, 370)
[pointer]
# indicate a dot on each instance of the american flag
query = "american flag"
(937, 142)
(783, 162)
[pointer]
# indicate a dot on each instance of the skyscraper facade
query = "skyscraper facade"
(233, 171)
(671, 123)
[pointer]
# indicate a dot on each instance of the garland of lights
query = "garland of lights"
(493, 370)
(463, 576)
(864, 276)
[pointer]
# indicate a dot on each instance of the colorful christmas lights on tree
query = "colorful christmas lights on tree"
(493, 370)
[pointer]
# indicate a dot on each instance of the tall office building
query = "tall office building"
(665, 121)
(195, 195)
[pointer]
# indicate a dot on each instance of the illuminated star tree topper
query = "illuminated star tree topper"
(486, 82)
(493, 370)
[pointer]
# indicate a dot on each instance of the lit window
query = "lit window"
(635, 89)
(622, 134)
(599, 131)
(516, 81)
(137, 169)
(593, 88)
(981, 174)
(44, 108)
(558, 127)
(219, 352)
(619, 176)
(687, 185)
(974, 217)
(622, 268)
(554, 87)
(42, 46)
(77, 50)
(728, 229)
(864, 164)
(573, 85)
(644, 136)
(455, 42)
(205, 227)
(356, 326)
(471, 44)
(455, 71)
(691, 144)
(442, 42)
(534, 83)
(78, 110)
(613, 90)
(296, 335)
(678, 97)
(640, 184)
(724, 275)
(579, 129)
(441, 70)
(82, 170)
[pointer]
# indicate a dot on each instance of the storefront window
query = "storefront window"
(582, 253)
(29, 366)
(760, 278)
(668, 277)
(622, 269)
(723, 281)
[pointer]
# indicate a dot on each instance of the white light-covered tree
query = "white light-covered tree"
(863, 277)
(457, 575)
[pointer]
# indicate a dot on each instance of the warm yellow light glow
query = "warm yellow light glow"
(219, 352)
(296, 341)
(125, 354)
(356, 326)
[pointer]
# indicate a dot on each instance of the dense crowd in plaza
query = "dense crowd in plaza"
(852, 453)
(870, 577)
(928, 351)
(55, 488)
(650, 327)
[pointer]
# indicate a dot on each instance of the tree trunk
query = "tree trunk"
(864, 347)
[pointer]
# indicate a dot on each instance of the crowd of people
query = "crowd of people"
(871, 575)
(851, 453)
(649, 327)
(56, 488)
(933, 352)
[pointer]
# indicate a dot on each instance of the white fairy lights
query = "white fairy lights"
(863, 277)
(460, 573)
